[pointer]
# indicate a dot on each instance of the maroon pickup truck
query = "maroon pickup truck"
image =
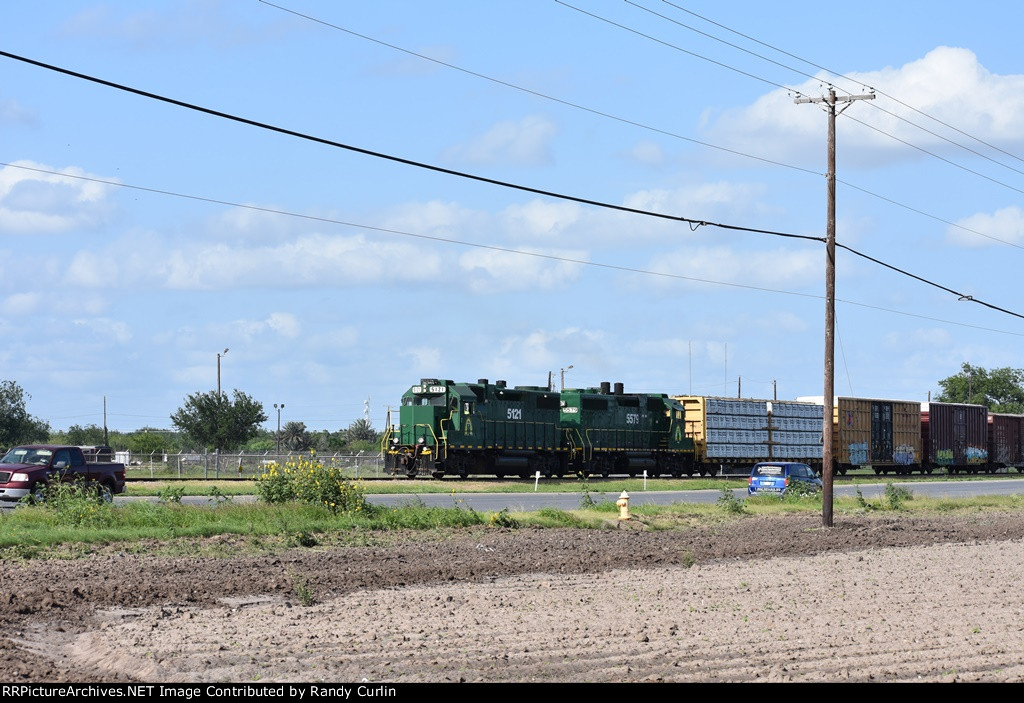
(27, 470)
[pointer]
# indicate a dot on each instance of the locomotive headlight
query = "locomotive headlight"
(423, 440)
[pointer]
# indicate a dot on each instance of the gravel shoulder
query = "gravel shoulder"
(876, 598)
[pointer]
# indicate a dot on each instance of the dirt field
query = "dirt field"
(779, 599)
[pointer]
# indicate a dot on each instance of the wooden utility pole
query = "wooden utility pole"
(827, 449)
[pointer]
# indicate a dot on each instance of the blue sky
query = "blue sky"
(335, 277)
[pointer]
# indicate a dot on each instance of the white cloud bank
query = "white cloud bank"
(985, 229)
(948, 83)
(526, 142)
(40, 199)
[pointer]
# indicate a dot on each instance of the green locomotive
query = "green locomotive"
(448, 428)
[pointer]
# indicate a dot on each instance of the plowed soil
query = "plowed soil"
(759, 599)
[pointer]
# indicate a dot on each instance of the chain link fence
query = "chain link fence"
(223, 465)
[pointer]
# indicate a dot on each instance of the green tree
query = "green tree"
(84, 436)
(212, 420)
(16, 425)
(294, 437)
(361, 431)
(1001, 390)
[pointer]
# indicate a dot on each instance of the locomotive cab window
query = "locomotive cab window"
(467, 408)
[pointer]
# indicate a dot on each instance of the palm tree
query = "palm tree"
(361, 431)
(295, 437)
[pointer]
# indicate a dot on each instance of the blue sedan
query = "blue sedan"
(776, 476)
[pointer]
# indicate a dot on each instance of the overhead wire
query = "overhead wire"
(845, 77)
(508, 250)
(431, 167)
(545, 96)
(631, 122)
(398, 159)
(813, 77)
(789, 89)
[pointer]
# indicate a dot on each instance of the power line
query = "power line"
(320, 140)
(694, 223)
(679, 48)
(813, 77)
(789, 89)
(551, 257)
(635, 123)
(847, 78)
(545, 96)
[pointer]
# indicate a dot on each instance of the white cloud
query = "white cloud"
(778, 270)
(34, 202)
(523, 143)
(1006, 224)
(706, 201)
(426, 360)
(948, 83)
(20, 304)
(14, 113)
(192, 23)
(311, 260)
(282, 323)
(540, 218)
(538, 351)
(646, 153)
(106, 328)
(497, 271)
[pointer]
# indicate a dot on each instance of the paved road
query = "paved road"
(493, 502)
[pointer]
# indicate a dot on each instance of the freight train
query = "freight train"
(458, 429)
(449, 428)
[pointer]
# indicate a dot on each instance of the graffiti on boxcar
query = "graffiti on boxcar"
(976, 455)
(905, 455)
(858, 452)
(944, 457)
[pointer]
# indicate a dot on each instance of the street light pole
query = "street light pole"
(279, 408)
(563, 375)
(219, 355)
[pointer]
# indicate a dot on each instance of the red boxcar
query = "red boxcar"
(955, 436)
(1005, 437)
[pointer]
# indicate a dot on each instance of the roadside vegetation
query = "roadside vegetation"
(295, 512)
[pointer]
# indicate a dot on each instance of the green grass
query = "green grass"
(227, 528)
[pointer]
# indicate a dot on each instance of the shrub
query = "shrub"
(77, 505)
(895, 496)
(799, 490)
(308, 480)
(731, 503)
(502, 518)
(171, 494)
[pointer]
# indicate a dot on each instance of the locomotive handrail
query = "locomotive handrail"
(431, 428)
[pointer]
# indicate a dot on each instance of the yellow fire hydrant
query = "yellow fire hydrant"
(623, 505)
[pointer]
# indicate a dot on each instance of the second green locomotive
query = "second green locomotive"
(448, 428)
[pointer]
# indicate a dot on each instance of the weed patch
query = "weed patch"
(731, 504)
(896, 496)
